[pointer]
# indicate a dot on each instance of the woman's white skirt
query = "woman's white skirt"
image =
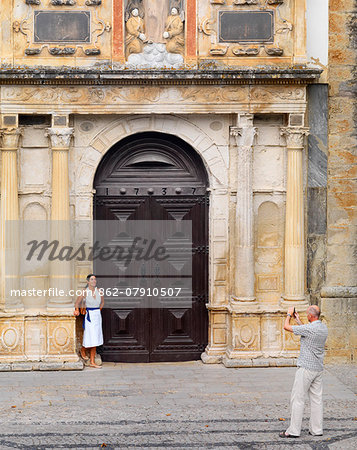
(93, 333)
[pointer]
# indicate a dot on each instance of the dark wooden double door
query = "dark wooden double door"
(157, 179)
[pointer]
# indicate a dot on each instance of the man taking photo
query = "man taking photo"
(308, 377)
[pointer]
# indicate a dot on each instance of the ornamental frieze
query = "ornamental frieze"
(152, 94)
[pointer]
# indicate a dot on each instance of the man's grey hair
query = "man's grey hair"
(314, 311)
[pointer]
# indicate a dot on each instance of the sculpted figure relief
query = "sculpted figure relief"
(174, 32)
(135, 36)
(154, 33)
(155, 13)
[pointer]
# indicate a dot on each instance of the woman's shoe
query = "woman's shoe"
(85, 357)
(95, 366)
(284, 435)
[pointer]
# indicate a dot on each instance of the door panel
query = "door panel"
(172, 182)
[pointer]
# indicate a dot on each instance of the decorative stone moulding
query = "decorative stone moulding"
(274, 51)
(218, 2)
(32, 51)
(218, 51)
(275, 2)
(63, 2)
(93, 2)
(92, 51)
(245, 51)
(245, 2)
(33, 2)
(57, 51)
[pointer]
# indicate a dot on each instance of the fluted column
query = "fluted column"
(244, 134)
(60, 271)
(9, 220)
(294, 289)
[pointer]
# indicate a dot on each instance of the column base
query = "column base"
(211, 359)
(242, 299)
(14, 307)
(289, 300)
(55, 305)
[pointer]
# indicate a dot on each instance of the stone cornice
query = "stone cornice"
(61, 76)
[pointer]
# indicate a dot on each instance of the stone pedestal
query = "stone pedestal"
(60, 271)
(36, 341)
(9, 232)
(294, 289)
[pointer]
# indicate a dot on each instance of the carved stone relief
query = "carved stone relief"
(79, 28)
(245, 2)
(63, 2)
(11, 337)
(227, 28)
(151, 95)
(154, 33)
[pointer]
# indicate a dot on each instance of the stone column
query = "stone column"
(9, 233)
(60, 271)
(294, 290)
(244, 236)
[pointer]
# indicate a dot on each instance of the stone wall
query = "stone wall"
(316, 189)
(339, 301)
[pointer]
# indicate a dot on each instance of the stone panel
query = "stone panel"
(11, 339)
(35, 339)
(61, 336)
(246, 334)
(271, 335)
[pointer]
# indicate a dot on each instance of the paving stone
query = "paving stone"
(221, 408)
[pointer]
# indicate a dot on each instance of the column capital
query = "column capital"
(294, 136)
(235, 131)
(60, 138)
(10, 138)
(244, 135)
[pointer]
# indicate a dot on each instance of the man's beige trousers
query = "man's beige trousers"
(307, 383)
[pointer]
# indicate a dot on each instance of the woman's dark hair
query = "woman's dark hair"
(88, 278)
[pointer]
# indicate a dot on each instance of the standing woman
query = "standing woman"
(92, 322)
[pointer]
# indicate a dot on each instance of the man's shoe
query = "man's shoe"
(314, 434)
(284, 435)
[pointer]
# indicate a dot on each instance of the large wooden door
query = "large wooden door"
(154, 177)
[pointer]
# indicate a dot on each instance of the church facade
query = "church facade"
(169, 110)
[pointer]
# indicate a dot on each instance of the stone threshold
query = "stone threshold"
(260, 362)
(249, 362)
(40, 366)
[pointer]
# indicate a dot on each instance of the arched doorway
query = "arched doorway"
(155, 177)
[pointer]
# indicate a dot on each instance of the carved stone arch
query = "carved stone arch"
(34, 210)
(202, 143)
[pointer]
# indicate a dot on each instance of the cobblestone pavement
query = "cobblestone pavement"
(172, 405)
